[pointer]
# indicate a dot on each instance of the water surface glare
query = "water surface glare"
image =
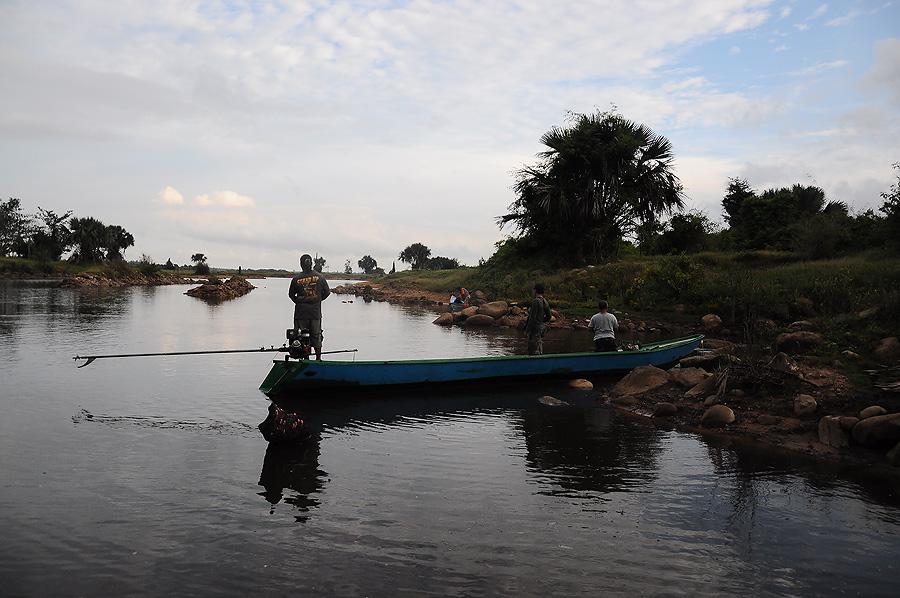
(147, 476)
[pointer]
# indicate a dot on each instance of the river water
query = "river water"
(147, 476)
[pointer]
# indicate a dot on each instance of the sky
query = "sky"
(254, 132)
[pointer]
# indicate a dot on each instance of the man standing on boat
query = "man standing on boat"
(308, 289)
(534, 325)
(603, 325)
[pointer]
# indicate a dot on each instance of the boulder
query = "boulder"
(445, 319)
(640, 379)
(872, 411)
(869, 313)
(893, 455)
(551, 401)
(888, 348)
(832, 433)
(507, 322)
(689, 377)
(625, 401)
(468, 312)
(717, 416)
(783, 363)
(710, 322)
(798, 341)
(805, 405)
(704, 388)
(879, 432)
(581, 384)
(494, 309)
(767, 420)
(664, 410)
(479, 320)
(847, 422)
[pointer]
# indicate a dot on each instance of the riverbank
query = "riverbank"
(780, 395)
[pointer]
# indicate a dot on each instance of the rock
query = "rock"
(479, 320)
(232, 288)
(767, 420)
(872, 411)
(782, 362)
(879, 432)
(805, 405)
(507, 322)
(710, 322)
(468, 312)
(893, 456)
(551, 401)
(847, 422)
(711, 400)
(689, 377)
(888, 348)
(708, 361)
(801, 325)
(664, 410)
(799, 341)
(445, 319)
(626, 401)
(714, 344)
(850, 354)
(640, 379)
(494, 309)
(704, 388)
(581, 384)
(869, 313)
(717, 416)
(832, 433)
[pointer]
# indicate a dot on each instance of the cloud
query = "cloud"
(885, 74)
(225, 198)
(170, 196)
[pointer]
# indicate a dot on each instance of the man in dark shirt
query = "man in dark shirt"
(534, 325)
(308, 289)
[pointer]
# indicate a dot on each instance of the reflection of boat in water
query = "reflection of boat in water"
(289, 376)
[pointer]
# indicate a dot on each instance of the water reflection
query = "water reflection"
(293, 466)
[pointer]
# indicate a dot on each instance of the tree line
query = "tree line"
(606, 185)
(47, 236)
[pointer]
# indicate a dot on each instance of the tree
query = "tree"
(890, 227)
(89, 237)
(13, 225)
(685, 233)
(117, 240)
(597, 182)
(416, 255)
(319, 264)
(55, 237)
(200, 266)
(348, 269)
(367, 263)
(442, 263)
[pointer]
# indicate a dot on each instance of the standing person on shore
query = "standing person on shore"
(308, 289)
(534, 325)
(603, 324)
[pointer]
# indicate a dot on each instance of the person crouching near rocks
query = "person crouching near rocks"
(603, 324)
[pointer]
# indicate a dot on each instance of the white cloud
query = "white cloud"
(170, 196)
(224, 198)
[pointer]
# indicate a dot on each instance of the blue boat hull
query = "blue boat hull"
(294, 377)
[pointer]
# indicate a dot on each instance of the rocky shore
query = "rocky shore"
(778, 395)
(92, 280)
(230, 289)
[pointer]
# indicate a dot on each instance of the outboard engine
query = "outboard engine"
(298, 343)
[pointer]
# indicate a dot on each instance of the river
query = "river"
(147, 476)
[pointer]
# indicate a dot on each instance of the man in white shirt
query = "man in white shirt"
(603, 325)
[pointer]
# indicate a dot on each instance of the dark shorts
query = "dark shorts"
(315, 330)
(605, 344)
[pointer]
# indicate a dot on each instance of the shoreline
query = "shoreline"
(770, 408)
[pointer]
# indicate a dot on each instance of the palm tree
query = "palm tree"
(597, 182)
(89, 237)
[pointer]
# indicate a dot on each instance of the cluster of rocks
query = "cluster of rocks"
(230, 289)
(717, 390)
(493, 313)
